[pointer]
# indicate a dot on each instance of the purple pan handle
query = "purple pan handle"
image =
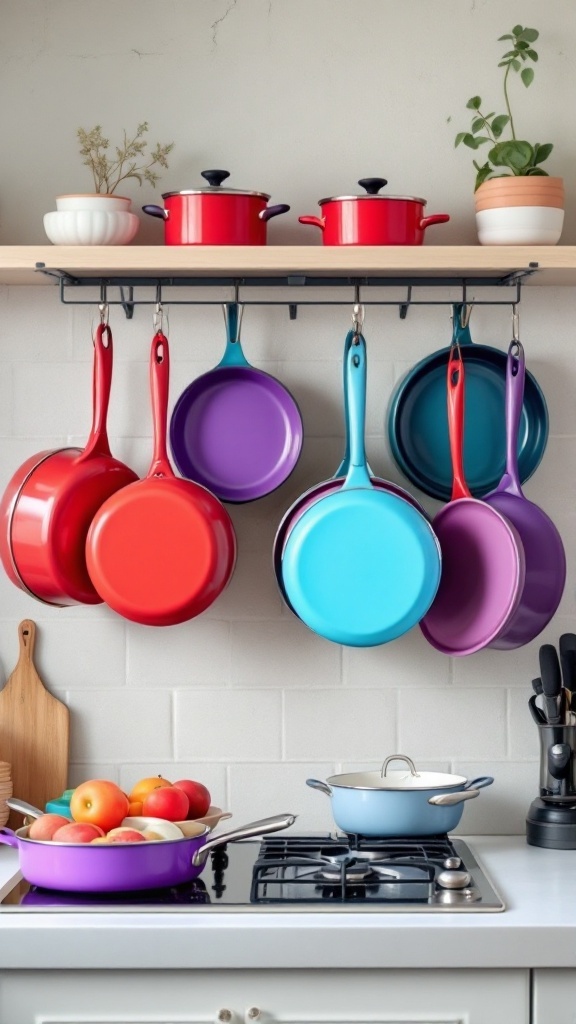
(273, 211)
(8, 837)
(515, 376)
(156, 211)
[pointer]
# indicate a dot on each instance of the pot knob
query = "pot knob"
(372, 185)
(215, 178)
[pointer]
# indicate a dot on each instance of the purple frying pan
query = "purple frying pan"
(483, 567)
(543, 548)
(313, 494)
(236, 430)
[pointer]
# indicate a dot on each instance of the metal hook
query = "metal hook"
(515, 323)
(237, 292)
(103, 310)
(158, 318)
(357, 320)
(465, 312)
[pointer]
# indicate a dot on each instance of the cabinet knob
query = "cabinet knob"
(224, 1016)
(252, 1014)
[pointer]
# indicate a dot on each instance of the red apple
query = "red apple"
(45, 827)
(77, 832)
(169, 802)
(198, 797)
(126, 835)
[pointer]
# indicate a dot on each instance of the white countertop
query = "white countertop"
(537, 929)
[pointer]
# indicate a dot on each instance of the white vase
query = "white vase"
(91, 220)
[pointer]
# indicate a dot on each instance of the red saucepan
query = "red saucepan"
(215, 216)
(123, 867)
(51, 500)
(483, 563)
(161, 551)
(373, 219)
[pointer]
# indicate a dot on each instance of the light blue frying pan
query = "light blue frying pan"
(361, 566)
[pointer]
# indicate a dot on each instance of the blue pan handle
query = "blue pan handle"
(355, 370)
(345, 464)
(460, 334)
(233, 354)
(480, 783)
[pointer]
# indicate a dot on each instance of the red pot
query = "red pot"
(372, 219)
(52, 498)
(215, 215)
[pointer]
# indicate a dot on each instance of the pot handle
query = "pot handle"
(399, 757)
(450, 799)
(156, 211)
(318, 222)
(8, 837)
(435, 218)
(23, 807)
(323, 787)
(254, 828)
(273, 211)
(480, 783)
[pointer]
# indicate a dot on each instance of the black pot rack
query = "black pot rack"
(69, 286)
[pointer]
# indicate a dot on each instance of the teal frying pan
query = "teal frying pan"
(361, 566)
(418, 422)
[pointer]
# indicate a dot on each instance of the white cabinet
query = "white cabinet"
(265, 997)
(554, 997)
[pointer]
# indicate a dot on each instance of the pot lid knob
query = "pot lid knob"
(215, 178)
(372, 185)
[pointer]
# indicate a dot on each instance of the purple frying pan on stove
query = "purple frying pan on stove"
(483, 563)
(543, 548)
(236, 430)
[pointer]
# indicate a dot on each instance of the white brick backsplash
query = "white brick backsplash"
(239, 725)
(337, 724)
(522, 730)
(195, 653)
(94, 657)
(117, 725)
(52, 398)
(436, 723)
(407, 661)
(553, 486)
(36, 334)
(6, 400)
(78, 773)
(299, 658)
(377, 766)
(500, 809)
(252, 593)
(213, 776)
(261, 790)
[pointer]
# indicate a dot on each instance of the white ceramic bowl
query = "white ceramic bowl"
(90, 227)
(92, 201)
(520, 225)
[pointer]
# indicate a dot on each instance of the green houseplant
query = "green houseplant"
(516, 201)
(102, 217)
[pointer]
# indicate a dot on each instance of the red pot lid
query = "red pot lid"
(215, 179)
(373, 186)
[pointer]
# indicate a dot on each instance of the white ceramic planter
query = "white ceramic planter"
(520, 225)
(91, 220)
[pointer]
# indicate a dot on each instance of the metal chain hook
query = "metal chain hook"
(103, 309)
(357, 320)
(515, 323)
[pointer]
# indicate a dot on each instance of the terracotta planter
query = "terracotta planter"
(520, 210)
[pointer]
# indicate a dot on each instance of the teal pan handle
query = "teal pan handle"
(345, 464)
(355, 369)
(233, 353)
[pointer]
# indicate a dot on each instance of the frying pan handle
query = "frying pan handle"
(97, 443)
(159, 383)
(355, 369)
(455, 390)
(23, 807)
(233, 354)
(255, 828)
(515, 377)
(8, 837)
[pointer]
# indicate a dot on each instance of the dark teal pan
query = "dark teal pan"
(418, 422)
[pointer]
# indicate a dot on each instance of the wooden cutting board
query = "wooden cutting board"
(34, 731)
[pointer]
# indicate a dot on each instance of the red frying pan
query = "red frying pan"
(50, 501)
(163, 549)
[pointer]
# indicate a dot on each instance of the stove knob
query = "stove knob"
(452, 863)
(224, 1017)
(453, 879)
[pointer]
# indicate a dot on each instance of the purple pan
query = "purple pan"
(483, 564)
(236, 430)
(313, 494)
(543, 548)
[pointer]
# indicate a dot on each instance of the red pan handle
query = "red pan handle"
(455, 389)
(97, 443)
(159, 382)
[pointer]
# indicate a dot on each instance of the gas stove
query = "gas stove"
(313, 873)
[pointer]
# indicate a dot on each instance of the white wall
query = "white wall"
(299, 99)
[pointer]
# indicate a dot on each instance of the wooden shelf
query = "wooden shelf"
(556, 264)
